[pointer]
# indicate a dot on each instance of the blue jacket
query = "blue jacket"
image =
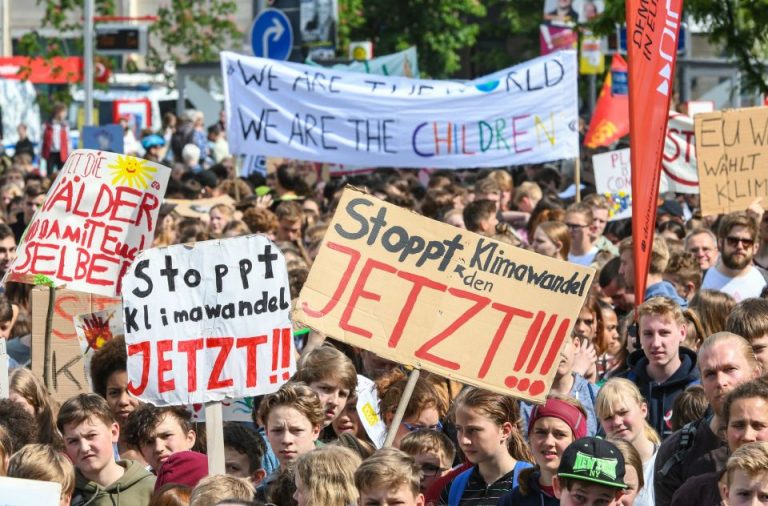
(534, 497)
(665, 289)
(661, 396)
(584, 392)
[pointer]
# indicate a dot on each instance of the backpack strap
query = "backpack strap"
(687, 437)
(458, 485)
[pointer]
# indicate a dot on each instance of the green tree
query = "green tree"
(192, 31)
(740, 27)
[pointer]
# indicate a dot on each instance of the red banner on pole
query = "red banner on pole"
(652, 51)
(610, 121)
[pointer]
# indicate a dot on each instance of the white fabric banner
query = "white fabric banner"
(520, 115)
(678, 164)
(208, 321)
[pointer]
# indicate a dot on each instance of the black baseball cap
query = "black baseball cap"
(594, 460)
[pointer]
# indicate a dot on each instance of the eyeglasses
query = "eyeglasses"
(413, 428)
(734, 241)
(575, 226)
(429, 470)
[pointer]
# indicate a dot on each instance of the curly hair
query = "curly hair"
(143, 421)
(19, 424)
(107, 360)
(260, 221)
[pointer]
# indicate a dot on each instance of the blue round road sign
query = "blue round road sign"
(271, 35)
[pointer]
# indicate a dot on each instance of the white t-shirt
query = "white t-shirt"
(585, 259)
(646, 497)
(743, 287)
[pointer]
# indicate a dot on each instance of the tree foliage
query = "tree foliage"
(740, 27)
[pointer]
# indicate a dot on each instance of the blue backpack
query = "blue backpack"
(459, 483)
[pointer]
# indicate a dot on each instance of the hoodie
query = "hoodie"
(665, 289)
(661, 396)
(135, 487)
(534, 497)
(584, 392)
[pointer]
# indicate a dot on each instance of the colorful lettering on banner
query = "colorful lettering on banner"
(523, 114)
(426, 294)
(207, 322)
(613, 178)
(100, 212)
(651, 52)
(731, 151)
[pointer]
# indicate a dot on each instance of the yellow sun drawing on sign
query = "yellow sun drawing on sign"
(132, 171)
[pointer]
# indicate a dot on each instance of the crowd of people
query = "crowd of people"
(660, 401)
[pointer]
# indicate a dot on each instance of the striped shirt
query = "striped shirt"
(478, 493)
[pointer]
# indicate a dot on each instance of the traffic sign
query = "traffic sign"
(271, 35)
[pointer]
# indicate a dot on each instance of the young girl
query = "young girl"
(326, 476)
(552, 427)
(622, 412)
(30, 393)
(426, 409)
(489, 433)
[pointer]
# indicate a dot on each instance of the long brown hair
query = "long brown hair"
(499, 409)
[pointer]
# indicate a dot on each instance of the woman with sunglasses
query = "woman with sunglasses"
(427, 407)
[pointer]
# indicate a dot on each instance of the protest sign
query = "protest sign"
(19, 492)
(432, 296)
(367, 407)
(199, 208)
(613, 178)
(68, 376)
(233, 410)
(678, 163)
(96, 329)
(208, 321)
(101, 210)
(105, 138)
(732, 159)
(556, 38)
(523, 114)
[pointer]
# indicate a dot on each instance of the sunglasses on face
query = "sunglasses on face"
(734, 241)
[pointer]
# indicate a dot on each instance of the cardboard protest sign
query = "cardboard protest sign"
(199, 208)
(732, 159)
(208, 321)
(18, 492)
(101, 210)
(523, 114)
(68, 376)
(427, 294)
(96, 329)
(613, 179)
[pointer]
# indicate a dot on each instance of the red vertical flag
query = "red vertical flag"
(653, 29)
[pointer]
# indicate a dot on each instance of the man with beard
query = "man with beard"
(734, 272)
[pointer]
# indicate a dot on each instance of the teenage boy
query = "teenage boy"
(746, 476)
(331, 375)
(159, 432)
(433, 451)
(388, 477)
(243, 451)
(662, 368)
(591, 472)
(480, 217)
(90, 431)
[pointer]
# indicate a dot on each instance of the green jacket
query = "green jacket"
(134, 488)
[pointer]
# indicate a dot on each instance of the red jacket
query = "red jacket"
(48, 140)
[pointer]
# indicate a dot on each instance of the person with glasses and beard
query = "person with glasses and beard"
(734, 273)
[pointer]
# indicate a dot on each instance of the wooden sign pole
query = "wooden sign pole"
(48, 348)
(402, 405)
(214, 432)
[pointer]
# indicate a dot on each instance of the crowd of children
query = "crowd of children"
(659, 401)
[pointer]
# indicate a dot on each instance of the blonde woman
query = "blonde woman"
(326, 476)
(622, 412)
(28, 391)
